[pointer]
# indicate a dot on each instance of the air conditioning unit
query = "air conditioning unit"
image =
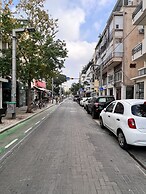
(141, 31)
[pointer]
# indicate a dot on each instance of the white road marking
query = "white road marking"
(141, 170)
(28, 130)
(37, 122)
(11, 143)
(43, 118)
(19, 142)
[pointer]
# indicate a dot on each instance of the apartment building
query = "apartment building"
(113, 57)
(139, 50)
(87, 78)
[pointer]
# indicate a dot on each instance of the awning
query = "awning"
(42, 89)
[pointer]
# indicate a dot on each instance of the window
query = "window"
(119, 108)
(110, 78)
(142, 72)
(118, 76)
(140, 90)
(102, 100)
(139, 110)
(110, 107)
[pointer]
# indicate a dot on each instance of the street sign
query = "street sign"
(101, 88)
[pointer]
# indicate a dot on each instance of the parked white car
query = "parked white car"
(82, 101)
(127, 120)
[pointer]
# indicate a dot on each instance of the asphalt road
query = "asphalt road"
(64, 151)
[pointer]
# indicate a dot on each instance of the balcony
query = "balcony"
(139, 15)
(112, 60)
(139, 52)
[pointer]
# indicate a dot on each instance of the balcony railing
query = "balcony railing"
(138, 8)
(113, 55)
(137, 48)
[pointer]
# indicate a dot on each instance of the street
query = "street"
(64, 151)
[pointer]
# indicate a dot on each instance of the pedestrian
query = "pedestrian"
(56, 98)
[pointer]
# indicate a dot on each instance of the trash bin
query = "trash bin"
(11, 106)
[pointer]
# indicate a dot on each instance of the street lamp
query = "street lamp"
(13, 91)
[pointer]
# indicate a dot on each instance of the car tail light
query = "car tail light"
(96, 104)
(145, 102)
(131, 123)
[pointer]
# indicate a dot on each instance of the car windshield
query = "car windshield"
(139, 110)
(107, 99)
(102, 100)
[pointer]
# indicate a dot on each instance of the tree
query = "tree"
(39, 54)
(58, 79)
(8, 22)
(44, 54)
(75, 88)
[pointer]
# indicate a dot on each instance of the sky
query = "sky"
(80, 23)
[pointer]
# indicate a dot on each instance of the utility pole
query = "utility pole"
(13, 92)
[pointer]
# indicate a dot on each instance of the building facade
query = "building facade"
(113, 57)
(139, 50)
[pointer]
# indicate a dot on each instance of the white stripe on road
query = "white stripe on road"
(37, 122)
(28, 130)
(43, 118)
(140, 169)
(11, 143)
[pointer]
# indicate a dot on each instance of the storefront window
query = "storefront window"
(140, 90)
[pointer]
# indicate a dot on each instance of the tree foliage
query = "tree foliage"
(75, 88)
(39, 54)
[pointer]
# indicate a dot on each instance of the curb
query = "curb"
(12, 125)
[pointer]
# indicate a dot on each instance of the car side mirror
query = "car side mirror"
(104, 109)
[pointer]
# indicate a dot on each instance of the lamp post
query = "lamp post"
(13, 91)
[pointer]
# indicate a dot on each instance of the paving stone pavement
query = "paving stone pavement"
(89, 162)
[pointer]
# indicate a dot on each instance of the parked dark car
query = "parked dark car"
(97, 104)
(76, 98)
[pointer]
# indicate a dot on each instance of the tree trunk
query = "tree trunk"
(29, 107)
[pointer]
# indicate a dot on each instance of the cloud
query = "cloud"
(88, 4)
(69, 24)
(106, 2)
(79, 55)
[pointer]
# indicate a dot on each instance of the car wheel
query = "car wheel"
(101, 123)
(122, 140)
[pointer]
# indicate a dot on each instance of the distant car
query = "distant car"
(85, 103)
(76, 98)
(127, 120)
(83, 99)
(97, 103)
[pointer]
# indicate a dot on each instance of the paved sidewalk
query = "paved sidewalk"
(21, 115)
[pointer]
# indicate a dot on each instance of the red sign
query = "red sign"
(40, 84)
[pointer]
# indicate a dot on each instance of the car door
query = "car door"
(107, 115)
(117, 117)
